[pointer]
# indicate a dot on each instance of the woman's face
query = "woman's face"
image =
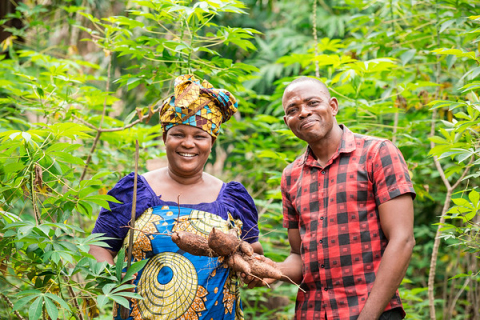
(187, 149)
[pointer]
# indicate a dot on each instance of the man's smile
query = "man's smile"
(307, 124)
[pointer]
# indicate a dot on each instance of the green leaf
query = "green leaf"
(51, 308)
(134, 268)
(28, 292)
(57, 146)
(102, 300)
(119, 265)
(122, 288)
(471, 86)
(407, 56)
(20, 303)
(446, 24)
(469, 216)
(59, 300)
(104, 197)
(437, 139)
(66, 157)
(474, 197)
(107, 289)
(461, 202)
(35, 310)
(122, 301)
(456, 52)
(129, 118)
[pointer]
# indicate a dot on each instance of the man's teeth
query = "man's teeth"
(187, 154)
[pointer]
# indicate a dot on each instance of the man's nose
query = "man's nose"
(304, 112)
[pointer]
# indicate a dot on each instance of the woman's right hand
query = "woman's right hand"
(252, 281)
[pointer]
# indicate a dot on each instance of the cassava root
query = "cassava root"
(239, 255)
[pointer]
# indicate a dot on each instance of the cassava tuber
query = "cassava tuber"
(193, 244)
(239, 255)
(224, 244)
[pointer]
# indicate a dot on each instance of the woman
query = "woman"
(175, 284)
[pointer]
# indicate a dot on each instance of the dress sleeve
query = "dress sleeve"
(112, 223)
(390, 173)
(241, 205)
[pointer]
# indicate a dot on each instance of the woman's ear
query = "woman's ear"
(164, 136)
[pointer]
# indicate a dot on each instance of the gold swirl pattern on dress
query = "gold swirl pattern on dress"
(200, 223)
(179, 298)
(141, 242)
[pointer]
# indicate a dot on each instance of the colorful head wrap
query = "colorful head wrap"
(197, 104)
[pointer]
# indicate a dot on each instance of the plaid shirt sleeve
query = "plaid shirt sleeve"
(390, 174)
(290, 216)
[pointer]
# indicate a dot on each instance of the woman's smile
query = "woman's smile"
(188, 155)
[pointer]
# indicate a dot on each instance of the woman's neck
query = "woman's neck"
(184, 180)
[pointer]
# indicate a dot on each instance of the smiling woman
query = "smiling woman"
(175, 284)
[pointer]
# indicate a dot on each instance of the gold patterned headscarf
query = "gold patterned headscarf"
(197, 104)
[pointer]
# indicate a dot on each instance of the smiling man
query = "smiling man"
(347, 204)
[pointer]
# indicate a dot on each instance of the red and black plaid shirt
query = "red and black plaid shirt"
(335, 209)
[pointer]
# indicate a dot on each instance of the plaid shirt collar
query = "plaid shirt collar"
(347, 145)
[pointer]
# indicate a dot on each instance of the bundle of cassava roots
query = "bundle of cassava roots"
(238, 254)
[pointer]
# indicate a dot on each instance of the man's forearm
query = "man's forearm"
(292, 267)
(391, 271)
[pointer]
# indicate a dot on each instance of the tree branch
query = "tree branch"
(11, 306)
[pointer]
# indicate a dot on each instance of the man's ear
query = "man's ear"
(334, 105)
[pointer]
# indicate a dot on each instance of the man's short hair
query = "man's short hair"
(308, 79)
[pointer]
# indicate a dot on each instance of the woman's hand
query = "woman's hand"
(252, 281)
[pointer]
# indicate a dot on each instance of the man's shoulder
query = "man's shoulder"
(297, 163)
(369, 142)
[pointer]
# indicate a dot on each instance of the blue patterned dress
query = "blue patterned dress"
(173, 283)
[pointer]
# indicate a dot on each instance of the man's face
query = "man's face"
(309, 111)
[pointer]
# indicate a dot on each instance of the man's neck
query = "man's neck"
(326, 147)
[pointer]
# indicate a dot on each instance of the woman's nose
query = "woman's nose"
(188, 142)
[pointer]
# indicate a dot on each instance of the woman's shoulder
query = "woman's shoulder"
(235, 190)
(123, 189)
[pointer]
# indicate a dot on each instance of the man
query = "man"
(347, 204)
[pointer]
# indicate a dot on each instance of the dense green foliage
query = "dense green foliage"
(82, 80)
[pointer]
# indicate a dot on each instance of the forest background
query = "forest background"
(81, 80)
